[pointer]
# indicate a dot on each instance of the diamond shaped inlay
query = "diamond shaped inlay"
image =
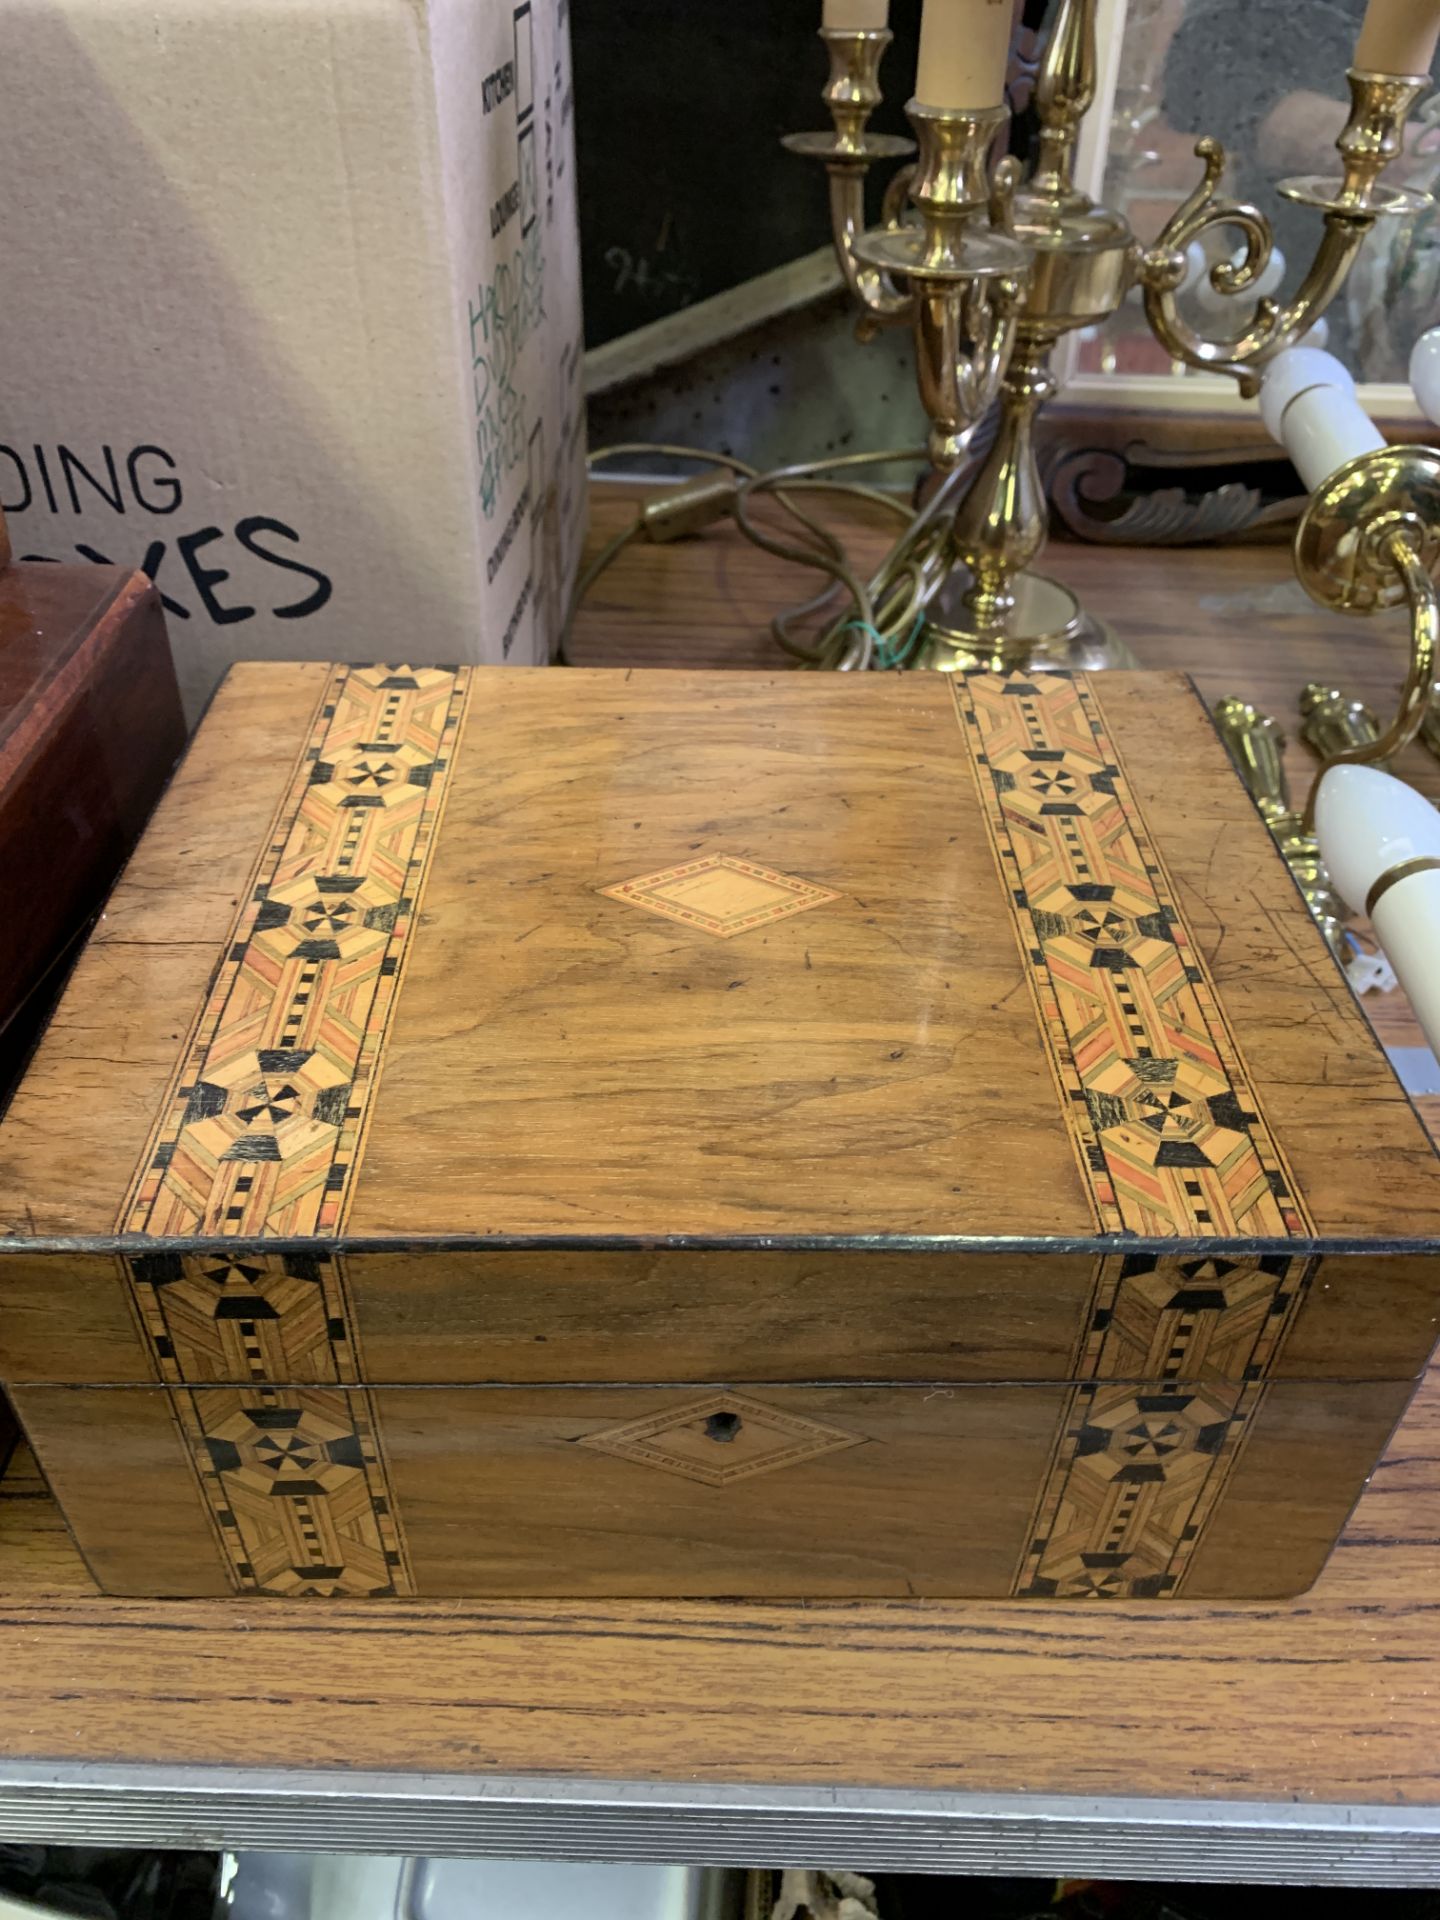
(721, 895)
(720, 1438)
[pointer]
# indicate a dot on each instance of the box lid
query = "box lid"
(436, 956)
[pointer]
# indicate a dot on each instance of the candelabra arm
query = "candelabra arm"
(883, 304)
(852, 94)
(1398, 548)
(1370, 540)
(964, 338)
(1351, 204)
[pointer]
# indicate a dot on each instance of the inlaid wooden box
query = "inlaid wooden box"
(643, 1133)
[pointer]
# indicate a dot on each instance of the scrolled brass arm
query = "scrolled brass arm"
(883, 302)
(1351, 204)
(1396, 547)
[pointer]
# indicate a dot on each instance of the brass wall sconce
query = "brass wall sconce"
(1369, 541)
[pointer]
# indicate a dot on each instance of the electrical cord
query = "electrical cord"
(878, 618)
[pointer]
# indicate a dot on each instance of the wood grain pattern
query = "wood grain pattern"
(614, 1074)
(1329, 1698)
(996, 990)
(827, 1314)
(765, 1491)
(1332, 1698)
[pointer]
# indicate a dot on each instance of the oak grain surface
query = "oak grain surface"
(1332, 1697)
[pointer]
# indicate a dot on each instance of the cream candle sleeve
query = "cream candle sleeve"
(964, 51)
(1399, 36)
(856, 16)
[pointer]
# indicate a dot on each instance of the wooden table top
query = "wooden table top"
(1334, 1698)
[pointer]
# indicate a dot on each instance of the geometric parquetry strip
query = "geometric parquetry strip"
(1191, 1317)
(1137, 1474)
(245, 1318)
(297, 1490)
(260, 1133)
(292, 1474)
(1136, 1470)
(1167, 1128)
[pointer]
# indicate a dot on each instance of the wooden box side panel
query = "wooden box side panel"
(451, 1317)
(458, 1318)
(127, 1485)
(1042, 1492)
(70, 1319)
(1364, 1317)
(1302, 1467)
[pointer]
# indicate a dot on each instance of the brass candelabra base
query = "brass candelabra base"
(1046, 631)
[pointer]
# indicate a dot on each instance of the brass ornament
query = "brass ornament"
(991, 272)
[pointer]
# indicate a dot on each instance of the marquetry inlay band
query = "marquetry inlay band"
(1169, 1137)
(1167, 1127)
(1136, 1470)
(260, 1133)
(260, 1137)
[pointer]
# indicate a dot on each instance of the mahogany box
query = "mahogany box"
(90, 727)
(665, 1134)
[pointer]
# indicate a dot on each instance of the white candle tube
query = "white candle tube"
(1308, 404)
(1398, 36)
(856, 16)
(1425, 374)
(1380, 841)
(964, 53)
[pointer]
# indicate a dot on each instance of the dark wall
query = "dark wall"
(680, 105)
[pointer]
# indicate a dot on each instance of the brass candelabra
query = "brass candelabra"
(991, 272)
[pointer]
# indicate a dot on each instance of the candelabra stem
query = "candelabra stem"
(1001, 524)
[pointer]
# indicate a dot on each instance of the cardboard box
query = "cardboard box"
(291, 318)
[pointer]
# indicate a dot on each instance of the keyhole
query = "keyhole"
(722, 1426)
